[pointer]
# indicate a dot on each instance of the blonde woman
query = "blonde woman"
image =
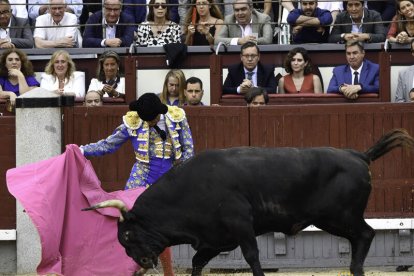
(60, 75)
(173, 89)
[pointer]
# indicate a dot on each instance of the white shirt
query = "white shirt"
(56, 33)
(4, 33)
(76, 83)
(97, 85)
(359, 73)
(253, 80)
(247, 30)
(34, 5)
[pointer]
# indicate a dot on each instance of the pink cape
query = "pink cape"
(53, 192)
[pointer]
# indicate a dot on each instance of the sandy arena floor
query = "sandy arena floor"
(388, 271)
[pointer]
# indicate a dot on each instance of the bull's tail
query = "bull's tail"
(393, 139)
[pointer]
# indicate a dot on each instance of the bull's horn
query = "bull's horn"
(116, 203)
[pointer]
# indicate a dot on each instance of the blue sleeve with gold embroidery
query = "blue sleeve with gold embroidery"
(108, 145)
(186, 140)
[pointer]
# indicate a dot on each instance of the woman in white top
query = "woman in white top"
(60, 75)
(109, 81)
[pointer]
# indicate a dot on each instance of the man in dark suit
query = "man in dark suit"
(14, 32)
(358, 76)
(249, 72)
(114, 32)
(357, 23)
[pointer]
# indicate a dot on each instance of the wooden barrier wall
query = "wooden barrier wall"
(355, 126)
(7, 161)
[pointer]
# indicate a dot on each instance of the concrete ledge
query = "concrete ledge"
(8, 235)
(381, 224)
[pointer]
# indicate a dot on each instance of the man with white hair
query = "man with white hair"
(40, 7)
(64, 32)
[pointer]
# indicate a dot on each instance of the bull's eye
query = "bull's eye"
(144, 261)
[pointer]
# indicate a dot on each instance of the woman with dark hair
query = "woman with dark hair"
(158, 30)
(402, 26)
(299, 78)
(109, 81)
(60, 75)
(202, 22)
(16, 74)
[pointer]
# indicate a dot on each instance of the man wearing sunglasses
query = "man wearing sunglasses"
(244, 25)
(110, 28)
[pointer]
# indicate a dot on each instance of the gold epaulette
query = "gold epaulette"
(132, 120)
(175, 114)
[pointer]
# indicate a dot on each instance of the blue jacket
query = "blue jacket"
(93, 35)
(369, 78)
(309, 34)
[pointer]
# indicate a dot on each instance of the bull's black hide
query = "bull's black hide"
(221, 199)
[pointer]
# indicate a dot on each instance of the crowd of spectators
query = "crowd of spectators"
(116, 23)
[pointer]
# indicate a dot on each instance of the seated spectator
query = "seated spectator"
(256, 96)
(15, 32)
(16, 74)
(112, 29)
(299, 78)
(357, 23)
(246, 24)
(93, 98)
(109, 81)
(358, 76)
(63, 37)
(173, 89)
(405, 86)
(309, 24)
(41, 7)
(194, 91)
(207, 22)
(401, 29)
(250, 72)
(158, 30)
(61, 76)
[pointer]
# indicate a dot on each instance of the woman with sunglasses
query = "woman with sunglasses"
(158, 30)
(202, 23)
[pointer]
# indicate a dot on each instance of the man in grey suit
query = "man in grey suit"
(405, 87)
(15, 32)
(357, 23)
(244, 25)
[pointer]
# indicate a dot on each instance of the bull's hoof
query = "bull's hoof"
(403, 268)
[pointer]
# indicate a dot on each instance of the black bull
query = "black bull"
(221, 199)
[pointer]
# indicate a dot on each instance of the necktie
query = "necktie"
(356, 77)
(249, 75)
(161, 132)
